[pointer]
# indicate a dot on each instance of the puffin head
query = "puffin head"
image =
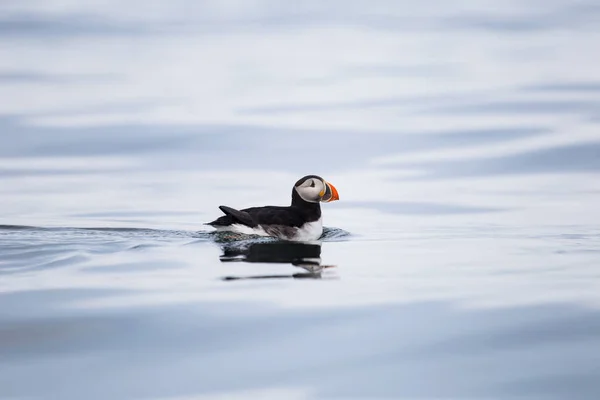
(313, 189)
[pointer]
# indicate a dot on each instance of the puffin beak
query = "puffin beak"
(331, 193)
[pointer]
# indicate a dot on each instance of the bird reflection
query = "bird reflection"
(303, 255)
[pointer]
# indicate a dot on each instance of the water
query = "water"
(461, 261)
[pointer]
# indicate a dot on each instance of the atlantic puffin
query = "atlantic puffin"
(301, 221)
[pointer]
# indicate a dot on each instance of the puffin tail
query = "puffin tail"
(237, 216)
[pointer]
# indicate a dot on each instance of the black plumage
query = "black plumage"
(296, 215)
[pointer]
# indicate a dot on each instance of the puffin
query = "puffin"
(301, 221)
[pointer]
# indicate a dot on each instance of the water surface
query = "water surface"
(461, 261)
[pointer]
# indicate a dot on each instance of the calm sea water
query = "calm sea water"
(462, 261)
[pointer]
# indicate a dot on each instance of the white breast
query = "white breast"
(309, 231)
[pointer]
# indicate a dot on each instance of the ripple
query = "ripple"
(334, 234)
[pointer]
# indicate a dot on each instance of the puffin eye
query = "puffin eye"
(312, 183)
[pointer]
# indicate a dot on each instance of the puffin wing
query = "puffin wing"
(272, 215)
(238, 216)
(252, 217)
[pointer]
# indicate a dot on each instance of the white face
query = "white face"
(311, 190)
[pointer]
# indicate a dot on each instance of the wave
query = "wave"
(330, 234)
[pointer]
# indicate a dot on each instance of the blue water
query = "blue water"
(461, 261)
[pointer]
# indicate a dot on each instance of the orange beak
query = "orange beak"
(334, 193)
